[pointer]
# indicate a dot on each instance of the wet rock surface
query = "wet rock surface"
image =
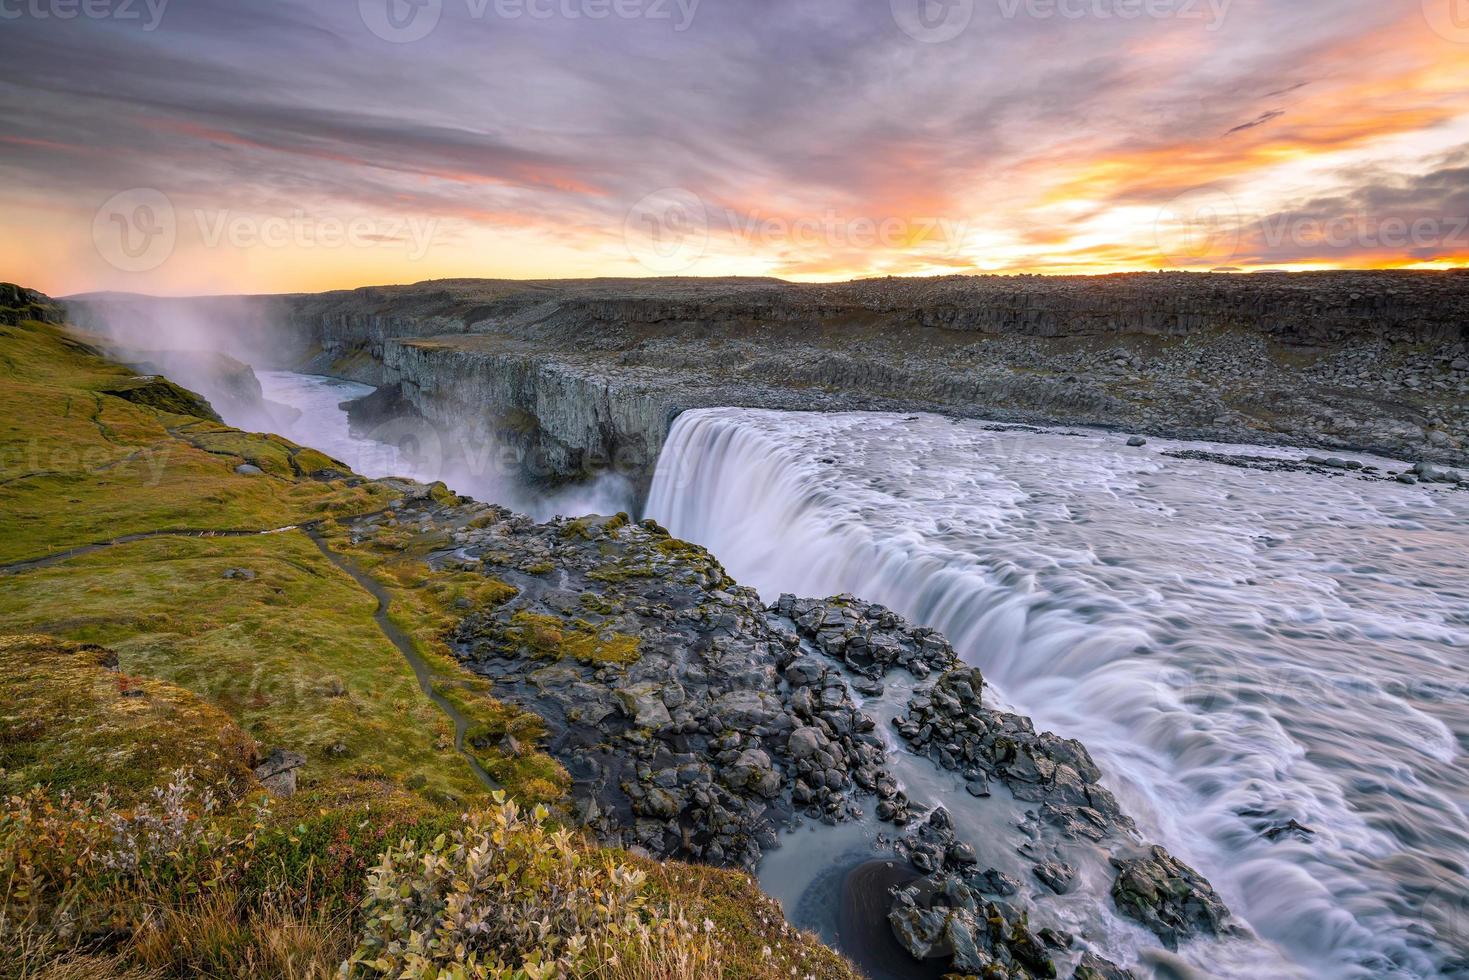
(950, 724)
(277, 771)
(1168, 897)
(943, 917)
(698, 723)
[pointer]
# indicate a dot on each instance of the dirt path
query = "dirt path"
(405, 646)
(389, 630)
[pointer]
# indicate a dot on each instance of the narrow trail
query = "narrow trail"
(405, 646)
(30, 564)
(394, 635)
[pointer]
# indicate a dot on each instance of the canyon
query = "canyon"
(583, 377)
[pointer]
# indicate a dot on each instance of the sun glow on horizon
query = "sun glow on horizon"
(1352, 155)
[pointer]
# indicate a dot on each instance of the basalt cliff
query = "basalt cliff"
(583, 375)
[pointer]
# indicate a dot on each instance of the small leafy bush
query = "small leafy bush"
(73, 866)
(504, 897)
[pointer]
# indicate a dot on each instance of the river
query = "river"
(1237, 648)
(418, 452)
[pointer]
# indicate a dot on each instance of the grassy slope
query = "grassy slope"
(70, 721)
(292, 654)
(78, 465)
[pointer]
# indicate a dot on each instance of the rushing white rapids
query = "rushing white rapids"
(1237, 648)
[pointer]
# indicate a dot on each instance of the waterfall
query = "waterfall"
(1237, 648)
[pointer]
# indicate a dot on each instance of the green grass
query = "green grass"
(72, 721)
(293, 654)
(79, 465)
(426, 605)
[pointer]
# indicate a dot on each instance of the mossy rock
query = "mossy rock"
(552, 638)
(161, 394)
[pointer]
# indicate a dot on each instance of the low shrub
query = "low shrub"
(508, 897)
(84, 869)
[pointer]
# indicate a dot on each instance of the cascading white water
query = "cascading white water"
(1237, 648)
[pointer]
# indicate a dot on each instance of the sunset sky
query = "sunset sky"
(192, 146)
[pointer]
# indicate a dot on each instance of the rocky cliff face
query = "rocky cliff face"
(586, 384)
(566, 420)
(580, 375)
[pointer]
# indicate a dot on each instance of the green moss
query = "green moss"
(309, 462)
(621, 572)
(439, 493)
(591, 528)
(160, 394)
(599, 604)
(540, 634)
(553, 638)
(614, 648)
(675, 547)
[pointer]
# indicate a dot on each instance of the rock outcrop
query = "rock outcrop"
(698, 723)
